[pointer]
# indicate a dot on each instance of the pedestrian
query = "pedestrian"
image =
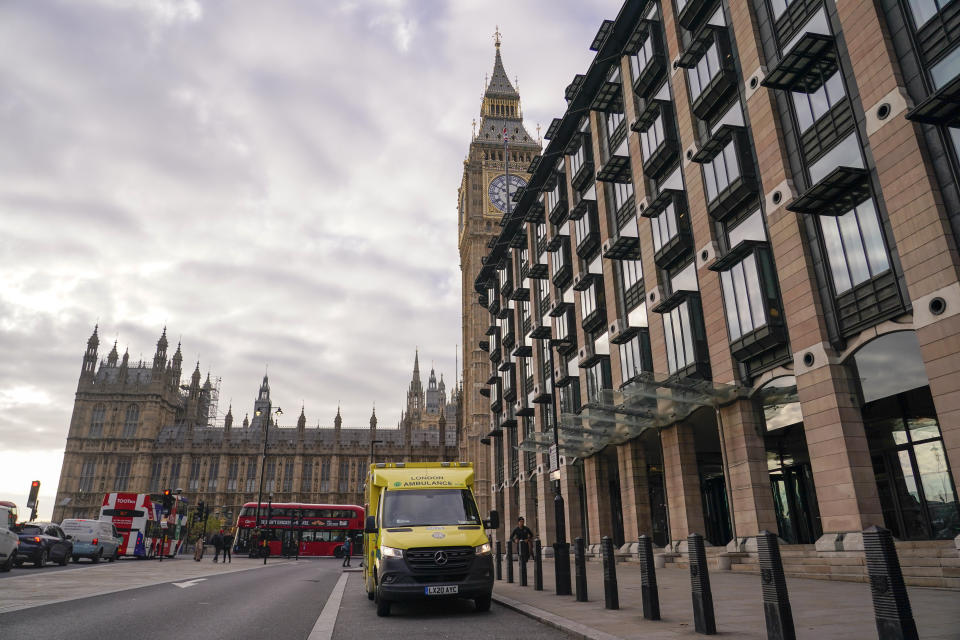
(522, 533)
(217, 541)
(347, 548)
(227, 543)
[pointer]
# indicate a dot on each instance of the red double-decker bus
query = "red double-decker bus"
(311, 529)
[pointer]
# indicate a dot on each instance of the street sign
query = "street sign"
(555, 475)
(163, 524)
(554, 459)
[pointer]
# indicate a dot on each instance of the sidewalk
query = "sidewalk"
(822, 610)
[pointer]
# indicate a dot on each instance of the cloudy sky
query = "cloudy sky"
(273, 181)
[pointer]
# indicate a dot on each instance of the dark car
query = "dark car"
(41, 542)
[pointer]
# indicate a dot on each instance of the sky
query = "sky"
(274, 182)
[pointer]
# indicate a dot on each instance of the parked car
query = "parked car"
(94, 539)
(41, 542)
(8, 539)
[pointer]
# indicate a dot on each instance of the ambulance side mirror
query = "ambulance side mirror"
(493, 522)
(371, 525)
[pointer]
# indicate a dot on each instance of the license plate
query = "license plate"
(442, 590)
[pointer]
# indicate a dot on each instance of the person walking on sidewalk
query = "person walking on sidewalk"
(347, 549)
(217, 541)
(227, 543)
(522, 533)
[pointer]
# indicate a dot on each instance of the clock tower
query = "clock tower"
(491, 175)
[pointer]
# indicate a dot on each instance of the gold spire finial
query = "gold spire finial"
(496, 37)
(473, 129)
(538, 134)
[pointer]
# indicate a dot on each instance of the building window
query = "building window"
(270, 477)
(855, 246)
(597, 379)
(652, 137)
(679, 334)
(130, 423)
(631, 283)
(251, 483)
(705, 70)
(631, 357)
(642, 58)
(722, 171)
(811, 106)
(664, 226)
(588, 300)
(570, 397)
(174, 474)
(156, 473)
(194, 481)
(288, 476)
(924, 10)
(344, 485)
(123, 474)
(498, 459)
(553, 197)
(232, 472)
(96, 421)
(325, 476)
(214, 471)
(87, 472)
(306, 480)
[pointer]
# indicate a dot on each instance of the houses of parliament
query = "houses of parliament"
(138, 427)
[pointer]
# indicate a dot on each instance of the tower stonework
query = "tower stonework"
(482, 202)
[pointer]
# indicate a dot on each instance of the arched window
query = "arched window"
(131, 421)
(96, 421)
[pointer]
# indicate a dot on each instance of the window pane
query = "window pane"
(730, 304)
(684, 310)
(671, 347)
(757, 302)
(870, 228)
(743, 302)
(838, 265)
(732, 162)
(853, 246)
(922, 11)
(801, 102)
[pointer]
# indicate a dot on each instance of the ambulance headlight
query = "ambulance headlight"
(390, 552)
(482, 550)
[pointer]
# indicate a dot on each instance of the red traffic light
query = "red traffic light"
(166, 492)
(35, 483)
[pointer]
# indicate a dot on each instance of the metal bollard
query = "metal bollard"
(499, 566)
(703, 619)
(580, 568)
(648, 579)
(776, 603)
(523, 548)
(891, 605)
(561, 560)
(611, 599)
(510, 561)
(537, 565)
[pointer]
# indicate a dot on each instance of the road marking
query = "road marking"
(188, 583)
(323, 629)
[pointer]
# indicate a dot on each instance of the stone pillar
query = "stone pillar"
(598, 499)
(682, 482)
(634, 491)
(839, 455)
(748, 477)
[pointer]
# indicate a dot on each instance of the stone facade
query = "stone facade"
(135, 428)
(739, 252)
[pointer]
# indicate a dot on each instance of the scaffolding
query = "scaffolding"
(212, 417)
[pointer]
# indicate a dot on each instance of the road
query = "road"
(282, 600)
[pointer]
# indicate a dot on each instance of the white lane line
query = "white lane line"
(323, 629)
(188, 583)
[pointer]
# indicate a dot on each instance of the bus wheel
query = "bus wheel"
(383, 607)
(482, 604)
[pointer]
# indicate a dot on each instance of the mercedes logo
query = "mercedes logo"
(440, 557)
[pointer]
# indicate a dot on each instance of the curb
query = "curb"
(575, 629)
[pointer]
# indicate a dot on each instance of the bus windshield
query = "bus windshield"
(423, 507)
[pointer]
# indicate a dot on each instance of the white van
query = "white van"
(92, 539)
(9, 541)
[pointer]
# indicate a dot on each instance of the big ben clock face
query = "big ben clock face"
(498, 190)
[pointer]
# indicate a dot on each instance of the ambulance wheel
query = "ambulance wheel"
(383, 607)
(370, 595)
(482, 604)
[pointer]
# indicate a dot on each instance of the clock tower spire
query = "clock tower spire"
(492, 173)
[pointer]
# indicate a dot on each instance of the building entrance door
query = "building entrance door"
(616, 504)
(795, 502)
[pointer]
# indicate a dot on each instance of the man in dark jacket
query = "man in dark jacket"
(217, 541)
(522, 533)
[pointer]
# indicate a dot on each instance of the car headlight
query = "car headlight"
(390, 552)
(482, 550)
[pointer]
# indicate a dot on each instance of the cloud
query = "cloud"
(275, 182)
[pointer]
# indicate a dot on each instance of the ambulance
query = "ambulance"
(424, 538)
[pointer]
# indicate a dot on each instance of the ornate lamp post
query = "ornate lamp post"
(263, 463)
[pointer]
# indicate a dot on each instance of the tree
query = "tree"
(214, 524)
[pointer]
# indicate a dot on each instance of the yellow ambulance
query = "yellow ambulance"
(424, 538)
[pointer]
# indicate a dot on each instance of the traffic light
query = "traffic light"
(34, 490)
(200, 514)
(167, 502)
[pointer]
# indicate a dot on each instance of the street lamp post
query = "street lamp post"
(373, 442)
(266, 543)
(561, 548)
(263, 460)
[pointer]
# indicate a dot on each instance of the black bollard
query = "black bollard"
(523, 546)
(510, 561)
(561, 560)
(703, 619)
(580, 568)
(537, 565)
(611, 599)
(776, 604)
(499, 566)
(648, 579)
(891, 605)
